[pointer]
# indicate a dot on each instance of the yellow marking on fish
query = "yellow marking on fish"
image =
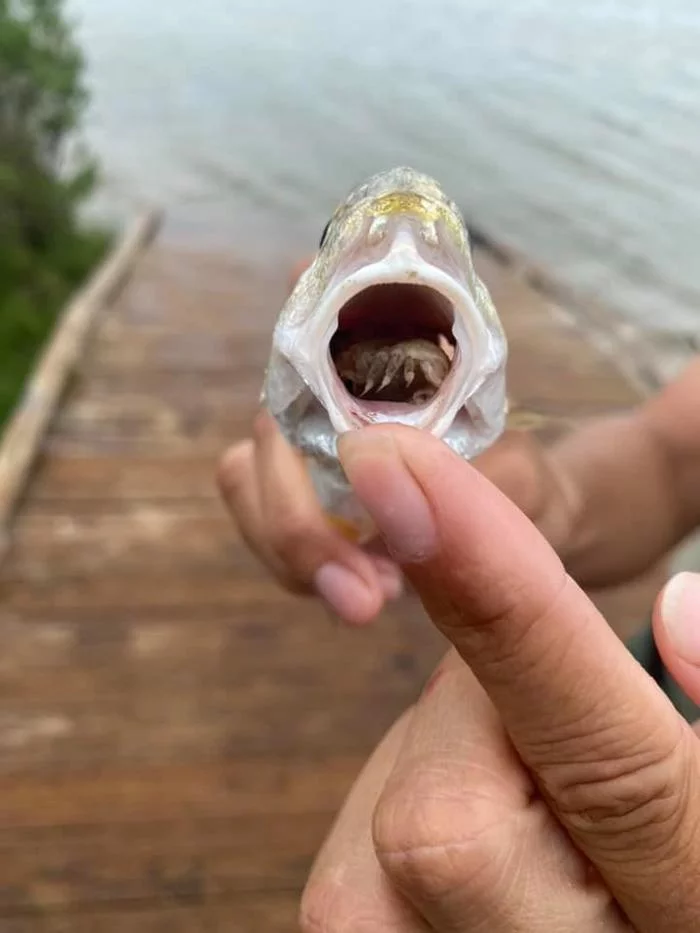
(519, 418)
(347, 529)
(524, 420)
(407, 202)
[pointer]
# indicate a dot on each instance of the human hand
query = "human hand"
(542, 782)
(271, 499)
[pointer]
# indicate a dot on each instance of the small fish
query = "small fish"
(390, 323)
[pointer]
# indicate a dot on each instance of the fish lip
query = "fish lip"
(405, 266)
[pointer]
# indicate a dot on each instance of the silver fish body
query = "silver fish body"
(394, 263)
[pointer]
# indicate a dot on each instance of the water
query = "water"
(567, 132)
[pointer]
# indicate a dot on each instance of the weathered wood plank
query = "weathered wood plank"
(118, 479)
(258, 913)
(60, 737)
(168, 537)
(175, 791)
(162, 590)
(199, 723)
(176, 351)
(207, 655)
(159, 863)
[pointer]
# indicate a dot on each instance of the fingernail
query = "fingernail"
(680, 615)
(390, 579)
(381, 480)
(346, 594)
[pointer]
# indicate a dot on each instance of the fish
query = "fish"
(390, 323)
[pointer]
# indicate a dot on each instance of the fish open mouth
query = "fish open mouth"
(394, 345)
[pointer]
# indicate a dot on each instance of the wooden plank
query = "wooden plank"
(175, 351)
(157, 590)
(63, 482)
(157, 863)
(174, 791)
(58, 658)
(260, 913)
(120, 444)
(151, 426)
(143, 381)
(21, 439)
(160, 311)
(199, 722)
(82, 546)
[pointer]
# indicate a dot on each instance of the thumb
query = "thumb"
(618, 766)
(677, 631)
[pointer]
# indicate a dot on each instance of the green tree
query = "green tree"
(45, 177)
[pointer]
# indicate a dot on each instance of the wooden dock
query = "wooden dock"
(176, 734)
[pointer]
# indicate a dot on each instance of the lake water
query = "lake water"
(567, 131)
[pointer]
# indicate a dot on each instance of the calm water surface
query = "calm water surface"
(568, 131)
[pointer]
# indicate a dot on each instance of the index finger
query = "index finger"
(355, 584)
(618, 765)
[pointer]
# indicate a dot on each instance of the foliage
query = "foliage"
(45, 178)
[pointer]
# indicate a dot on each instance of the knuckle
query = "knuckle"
(233, 467)
(511, 634)
(441, 830)
(328, 906)
(317, 912)
(637, 796)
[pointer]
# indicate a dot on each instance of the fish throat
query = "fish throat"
(394, 344)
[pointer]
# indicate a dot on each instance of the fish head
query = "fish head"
(394, 267)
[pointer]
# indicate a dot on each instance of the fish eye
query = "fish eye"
(324, 235)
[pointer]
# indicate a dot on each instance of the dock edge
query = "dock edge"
(21, 440)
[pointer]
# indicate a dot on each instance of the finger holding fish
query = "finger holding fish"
(387, 323)
(268, 492)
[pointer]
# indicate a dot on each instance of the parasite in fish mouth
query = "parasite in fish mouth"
(410, 371)
(391, 344)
